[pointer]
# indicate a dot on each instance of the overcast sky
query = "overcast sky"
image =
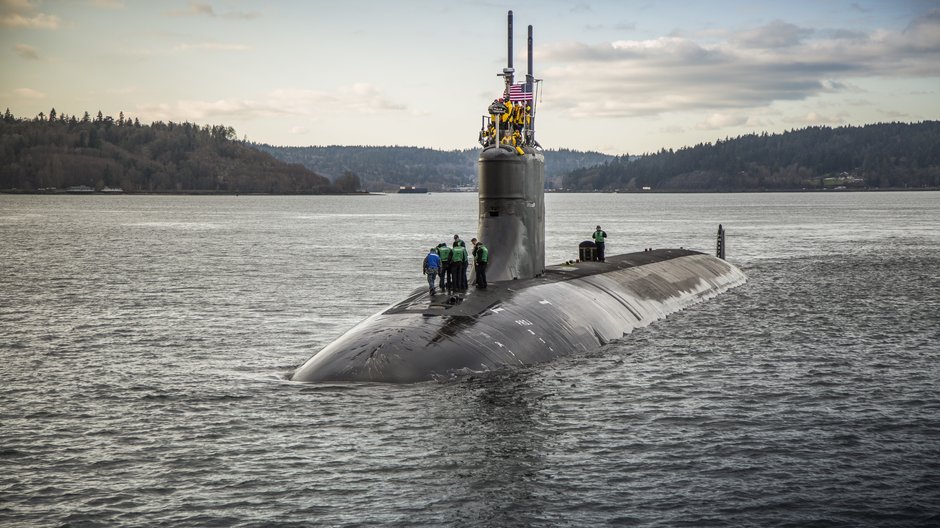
(619, 76)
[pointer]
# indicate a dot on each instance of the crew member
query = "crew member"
(516, 141)
(444, 253)
(473, 259)
(458, 265)
(482, 256)
(599, 237)
(506, 116)
(432, 266)
(520, 118)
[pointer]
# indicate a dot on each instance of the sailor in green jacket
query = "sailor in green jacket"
(458, 265)
(444, 252)
(599, 238)
(482, 257)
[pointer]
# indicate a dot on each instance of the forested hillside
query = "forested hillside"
(881, 156)
(385, 168)
(57, 151)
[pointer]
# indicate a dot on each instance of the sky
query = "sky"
(619, 77)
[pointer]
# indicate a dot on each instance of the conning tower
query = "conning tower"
(511, 179)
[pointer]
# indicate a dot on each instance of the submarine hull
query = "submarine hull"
(569, 309)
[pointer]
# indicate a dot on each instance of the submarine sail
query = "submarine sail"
(511, 177)
(530, 313)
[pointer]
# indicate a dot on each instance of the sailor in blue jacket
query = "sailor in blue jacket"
(432, 266)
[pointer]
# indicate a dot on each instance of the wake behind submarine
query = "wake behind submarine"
(530, 313)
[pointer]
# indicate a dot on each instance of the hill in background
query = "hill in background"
(59, 151)
(880, 156)
(387, 168)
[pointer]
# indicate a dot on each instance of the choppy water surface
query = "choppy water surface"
(145, 341)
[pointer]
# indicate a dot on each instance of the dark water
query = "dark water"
(144, 344)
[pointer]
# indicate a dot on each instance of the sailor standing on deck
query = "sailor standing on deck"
(473, 260)
(458, 265)
(599, 237)
(482, 256)
(432, 266)
(444, 253)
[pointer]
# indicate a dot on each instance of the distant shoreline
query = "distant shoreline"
(382, 193)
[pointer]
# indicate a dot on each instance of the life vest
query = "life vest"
(519, 115)
(445, 253)
(483, 254)
(507, 115)
(599, 237)
(458, 254)
(516, 141)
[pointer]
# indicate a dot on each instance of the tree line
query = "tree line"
(56, 151)
(878, 156)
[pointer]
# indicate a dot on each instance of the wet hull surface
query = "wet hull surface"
(569, 309)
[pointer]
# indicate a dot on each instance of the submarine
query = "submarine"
(530, 313)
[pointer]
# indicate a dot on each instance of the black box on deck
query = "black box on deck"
(587, 251)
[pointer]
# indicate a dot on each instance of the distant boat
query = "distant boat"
(112, 190)
(411, 189)
(80, 189)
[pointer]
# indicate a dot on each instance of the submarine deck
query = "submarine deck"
(475, 301)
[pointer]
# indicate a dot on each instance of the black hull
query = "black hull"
(568, 310)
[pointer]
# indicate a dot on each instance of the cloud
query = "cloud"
(348, 100)
(581, 7)
(814, 118)
(29, 93)
(777, 34)
(23, 14)
(211, 46)
(739, 71)
(107, 4)
(361, 98)
(625, 26)
(196, 9)
(894, 114)
(26, 51)
(716, 121)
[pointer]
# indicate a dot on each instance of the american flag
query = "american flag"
(520, 92)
